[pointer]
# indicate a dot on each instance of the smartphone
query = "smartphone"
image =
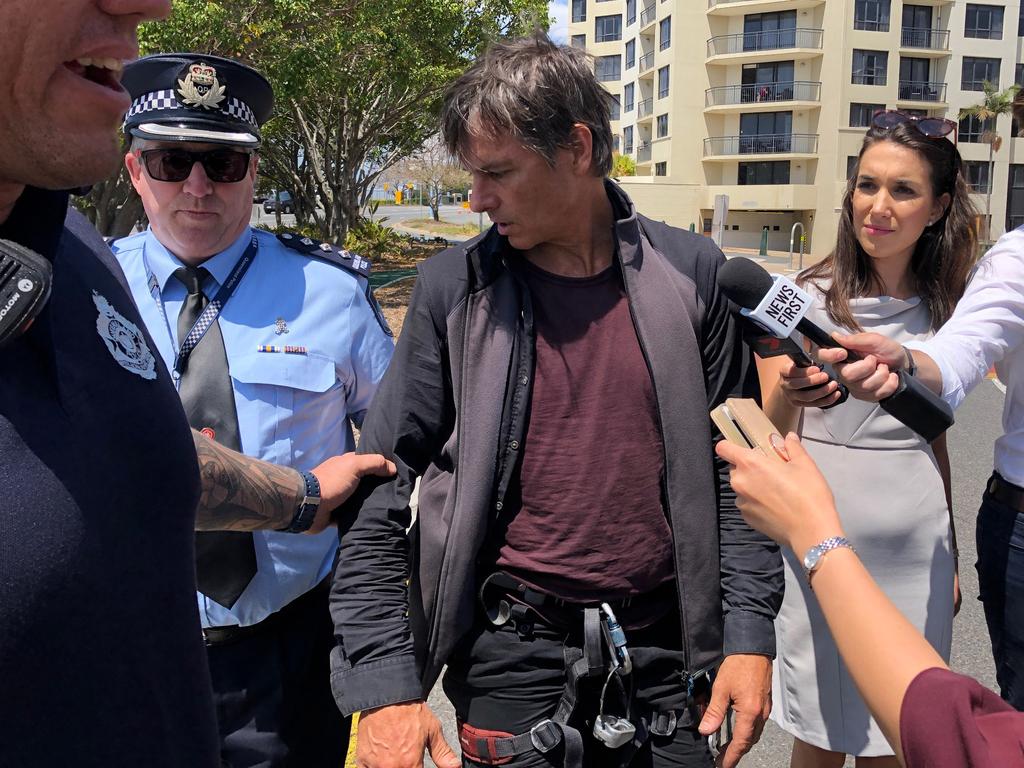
(741, 421)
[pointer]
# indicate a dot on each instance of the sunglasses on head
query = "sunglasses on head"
(932, 127)
(222, 166)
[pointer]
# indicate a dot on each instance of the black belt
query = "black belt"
(1006, 492)
(233, 633)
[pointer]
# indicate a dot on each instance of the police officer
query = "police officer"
(289, 353)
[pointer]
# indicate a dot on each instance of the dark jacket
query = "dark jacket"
(452, 409)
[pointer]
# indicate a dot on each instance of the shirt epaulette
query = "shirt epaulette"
(353, 262)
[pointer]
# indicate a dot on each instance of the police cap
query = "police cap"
(198, 98)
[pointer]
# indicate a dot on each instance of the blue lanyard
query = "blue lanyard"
(210, 313)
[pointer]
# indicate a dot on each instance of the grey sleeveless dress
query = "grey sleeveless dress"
(890, 498)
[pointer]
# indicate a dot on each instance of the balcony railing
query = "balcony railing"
(763, 92)
(645, 107)
(762, 144)
(646, 62)
(765, 41)
(922, 37)
(913, 90)
(648, 14)
(871, 26)
(643, 152)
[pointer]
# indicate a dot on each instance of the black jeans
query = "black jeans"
(501, 679)
(273, 694)
(1000, 538)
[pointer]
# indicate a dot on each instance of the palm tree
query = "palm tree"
(994, 104)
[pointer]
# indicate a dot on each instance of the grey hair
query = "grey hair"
(536, 92)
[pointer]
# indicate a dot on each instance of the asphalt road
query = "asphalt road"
(970, 450)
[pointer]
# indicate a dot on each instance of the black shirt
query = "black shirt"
(101, 658)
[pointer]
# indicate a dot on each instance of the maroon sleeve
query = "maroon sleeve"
(951, 721)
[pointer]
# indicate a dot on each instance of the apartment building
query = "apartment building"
(767, 101)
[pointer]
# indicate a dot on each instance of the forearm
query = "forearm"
(240, 493)
(783, 414)
(927, 372)
(881, 649)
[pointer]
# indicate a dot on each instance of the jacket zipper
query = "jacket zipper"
(661, 431)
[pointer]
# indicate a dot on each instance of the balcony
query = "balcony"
(648, 15)
(646, 62)
(742, 7)
(643, 152)
(645, 107)
(762, 93)
(871, 26)
(764, 144)
(921, 38)
(913, 90)
(772, 40)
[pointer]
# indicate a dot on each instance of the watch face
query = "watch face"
(811, 558)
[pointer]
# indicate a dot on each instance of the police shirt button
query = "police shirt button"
(499, 506)
(514, 445)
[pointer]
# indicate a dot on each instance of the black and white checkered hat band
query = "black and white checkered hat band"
(161, 100)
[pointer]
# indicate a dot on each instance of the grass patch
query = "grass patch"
(440, 227)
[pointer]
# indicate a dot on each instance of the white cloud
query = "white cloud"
(559, 12)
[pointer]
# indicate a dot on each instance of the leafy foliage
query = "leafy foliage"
(622, 165)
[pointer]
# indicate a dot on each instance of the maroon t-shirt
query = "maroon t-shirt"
(951, 721)
(590, 524)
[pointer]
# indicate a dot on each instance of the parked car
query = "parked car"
(287, 205)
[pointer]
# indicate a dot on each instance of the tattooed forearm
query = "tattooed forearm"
(241, 493)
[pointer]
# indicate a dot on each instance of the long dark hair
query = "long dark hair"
(945, 252)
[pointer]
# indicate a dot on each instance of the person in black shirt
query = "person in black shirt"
(101, 654)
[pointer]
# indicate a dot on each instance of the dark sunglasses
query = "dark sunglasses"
(932, 127)
(222, 166)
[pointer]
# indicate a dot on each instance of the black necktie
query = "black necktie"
(225, 560)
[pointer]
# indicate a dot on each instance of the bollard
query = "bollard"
(764, 242)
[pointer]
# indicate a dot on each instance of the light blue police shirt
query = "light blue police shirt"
(293, 409)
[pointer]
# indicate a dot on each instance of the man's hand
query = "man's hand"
(872, 378)
(807, 387)
(396, 735)
(745, 681)
(339, 477)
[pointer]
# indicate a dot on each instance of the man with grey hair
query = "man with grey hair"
(578, 561)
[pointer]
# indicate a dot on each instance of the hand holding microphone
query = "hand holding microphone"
(780, 306)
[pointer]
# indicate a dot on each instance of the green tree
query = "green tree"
(993, 105)
(622, 165)
(357, 82)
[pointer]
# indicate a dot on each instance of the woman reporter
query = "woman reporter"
(905, 247)
(897, 671)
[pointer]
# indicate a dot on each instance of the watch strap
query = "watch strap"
(308, 507)
(822, 549)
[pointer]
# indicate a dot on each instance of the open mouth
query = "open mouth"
(103, 72)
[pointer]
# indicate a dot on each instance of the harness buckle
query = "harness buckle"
(545, 736)
(663, 723)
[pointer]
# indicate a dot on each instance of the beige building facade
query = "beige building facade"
(767, 101)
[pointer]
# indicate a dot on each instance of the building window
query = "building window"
(627, 97)
(767, 31)
(627, 139)
(607, 68)
(851, 165)
(1020, 22)
(607, 29)
(614, 106)
(631, 53)
(772, 172)
(861, 114)
(767, 82)
(972, 130)
(579, 10)
(869, 67)
(872, 15)
(662, 126)
(984, 21)
(663, 82)
(976, 174)
(661, 169)
(976, 71)
(630, 12)
(766, 132)
(579, 41)
(665, 33)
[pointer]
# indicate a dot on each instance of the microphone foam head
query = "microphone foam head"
(744, 282)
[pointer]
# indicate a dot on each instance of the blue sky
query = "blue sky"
(559, 11)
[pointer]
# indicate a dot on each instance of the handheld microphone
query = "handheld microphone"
(780, 305)
(25, 281)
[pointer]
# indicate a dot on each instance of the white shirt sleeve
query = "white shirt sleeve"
(987, 324)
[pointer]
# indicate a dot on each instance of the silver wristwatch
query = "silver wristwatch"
(814, 555)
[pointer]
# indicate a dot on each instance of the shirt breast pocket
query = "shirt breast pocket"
(287, 404)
